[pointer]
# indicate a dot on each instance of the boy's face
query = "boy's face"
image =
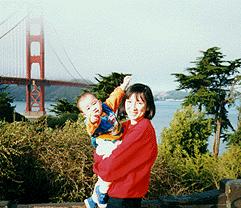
(90, 106)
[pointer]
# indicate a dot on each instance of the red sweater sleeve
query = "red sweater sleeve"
(138, 148)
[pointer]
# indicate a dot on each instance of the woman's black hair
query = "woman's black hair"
(146, 94)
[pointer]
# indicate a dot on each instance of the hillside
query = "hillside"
(170, 95)
(53, 93)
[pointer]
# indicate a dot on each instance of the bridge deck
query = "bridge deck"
(45, 82)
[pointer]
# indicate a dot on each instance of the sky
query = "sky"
(150, 39)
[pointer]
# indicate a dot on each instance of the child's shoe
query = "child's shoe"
(102, 198)
(89, 203)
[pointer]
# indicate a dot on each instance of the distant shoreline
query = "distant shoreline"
(156, 100)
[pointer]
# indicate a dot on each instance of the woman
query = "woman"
(129, 166)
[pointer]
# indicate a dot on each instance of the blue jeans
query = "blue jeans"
(124, 203)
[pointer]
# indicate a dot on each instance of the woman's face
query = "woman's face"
(135, 107)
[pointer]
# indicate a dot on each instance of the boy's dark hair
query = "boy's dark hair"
(146, 94)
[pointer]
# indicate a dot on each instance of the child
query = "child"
(105, 132)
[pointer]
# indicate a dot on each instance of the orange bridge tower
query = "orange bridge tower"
(34, 93)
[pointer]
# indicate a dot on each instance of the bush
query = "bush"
(230, 163)
(183, 165)
(174, 174)
(182, 175)
(6, 108)
(59, 121)
(189, 130)
(235, 138)
(41, 164)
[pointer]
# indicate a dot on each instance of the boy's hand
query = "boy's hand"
(94, 118)
(126, 82)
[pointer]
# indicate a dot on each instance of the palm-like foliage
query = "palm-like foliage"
(106, 84)
(64, 106)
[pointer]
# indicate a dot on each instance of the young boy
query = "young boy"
(105, 132)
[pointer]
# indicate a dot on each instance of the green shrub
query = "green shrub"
(174, 174)
(41, 164)
(235, 137)
(230, 163)
(59, 121)
(6, 108)
(189, 130)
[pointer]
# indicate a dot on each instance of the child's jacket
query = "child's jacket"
(107, 127)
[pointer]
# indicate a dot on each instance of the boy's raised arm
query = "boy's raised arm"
(116, 96)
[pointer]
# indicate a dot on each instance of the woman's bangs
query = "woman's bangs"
(140, 97)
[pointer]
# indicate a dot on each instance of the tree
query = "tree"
(210, 83)
(106, 84)
(64, 106)
(6, 109)
(188, 132)
(64, 110)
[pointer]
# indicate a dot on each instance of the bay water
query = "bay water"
(164, 114)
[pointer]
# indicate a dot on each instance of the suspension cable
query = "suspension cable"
(18, 23)
(65, 52)
(59, 59)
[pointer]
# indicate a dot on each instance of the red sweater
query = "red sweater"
(129, 166)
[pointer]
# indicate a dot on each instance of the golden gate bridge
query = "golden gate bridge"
(22, 61)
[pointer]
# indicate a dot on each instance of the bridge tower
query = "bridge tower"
(34, 93)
